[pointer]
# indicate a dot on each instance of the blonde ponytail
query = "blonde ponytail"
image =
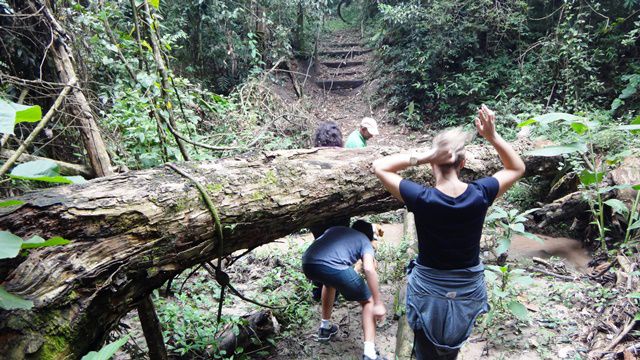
(454, 139)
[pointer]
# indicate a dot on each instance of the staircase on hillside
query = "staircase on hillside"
(342, 63)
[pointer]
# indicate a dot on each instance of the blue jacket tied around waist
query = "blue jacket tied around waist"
(445, 303)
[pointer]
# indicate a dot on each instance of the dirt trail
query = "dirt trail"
(351, 60)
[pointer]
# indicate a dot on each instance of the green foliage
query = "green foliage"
(43, 170)
(504, 224)
(506, 286)
(592, 165)
(448, 57)
(392, 260)
(10, 246)
(107, 351)
(189, 323)
(285, 285)
(8, 203)
(9, 301)
(12, 113)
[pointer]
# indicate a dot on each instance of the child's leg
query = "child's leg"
(328, 296)
(368, 323)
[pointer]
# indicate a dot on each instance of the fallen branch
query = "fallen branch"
(621, 336)
(66, 168)
(549, 273)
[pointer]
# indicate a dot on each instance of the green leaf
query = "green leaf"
(107, 351)
(558, 150)
(518, 310)
(38, 242)
(500, 293)
(155, 3)
(637, 317)
(43, 170)
(553, 117)
(12, 113)
(9, 301)
(617, 206)
(494, 216)
(523, 280)
(34, 240)
(635, 122)
(527, 122)
(490, 276)
(634, 295)
(579, 128)
(517, 227)
(587, 177)
(9, 245)
(635, 225)
(8, 203)
(503, 245)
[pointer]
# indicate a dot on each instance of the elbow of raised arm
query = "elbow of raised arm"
(522, 169)
(377, 167)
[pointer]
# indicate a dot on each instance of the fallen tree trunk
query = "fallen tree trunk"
(131, 232)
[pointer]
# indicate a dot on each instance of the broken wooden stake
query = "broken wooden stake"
(152, 329)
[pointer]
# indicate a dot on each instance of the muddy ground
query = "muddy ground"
(567, 319)
(571, 314)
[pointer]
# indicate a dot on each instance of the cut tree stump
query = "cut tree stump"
(253, 335)
(131, 232)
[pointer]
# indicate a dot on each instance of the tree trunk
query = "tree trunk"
(152, 329)
(404, 334)
(77, 103)
(131, 232)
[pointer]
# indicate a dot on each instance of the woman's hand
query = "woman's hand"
(443, 156)
(485, 123)
(436, 155)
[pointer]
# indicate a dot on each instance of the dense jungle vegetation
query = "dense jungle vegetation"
(97, 88)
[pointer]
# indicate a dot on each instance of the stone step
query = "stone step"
(342, 64)
(337, 74)
(345, 53)
(339, 84)
(343, 45)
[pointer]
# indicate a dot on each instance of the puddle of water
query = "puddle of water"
(570, 250)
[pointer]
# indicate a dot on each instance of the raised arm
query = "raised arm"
(513, 165)
(387, 168)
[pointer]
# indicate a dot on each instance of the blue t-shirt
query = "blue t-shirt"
(339, 247)
(449, 229)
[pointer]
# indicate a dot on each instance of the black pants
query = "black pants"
(424, 349)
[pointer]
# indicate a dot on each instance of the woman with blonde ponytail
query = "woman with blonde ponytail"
(446, 290)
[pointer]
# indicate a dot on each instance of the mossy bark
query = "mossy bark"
(131, 232)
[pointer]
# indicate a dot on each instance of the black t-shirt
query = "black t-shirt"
(449, 229)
